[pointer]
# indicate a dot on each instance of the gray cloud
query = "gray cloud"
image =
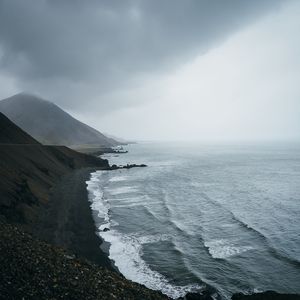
(76, 51)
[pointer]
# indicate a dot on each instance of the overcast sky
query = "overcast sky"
(160, 70)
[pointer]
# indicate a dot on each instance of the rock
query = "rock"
(204, 295)
(128, 166)
(69, 256)
(31, 269)
(268, 295)
(134, 166)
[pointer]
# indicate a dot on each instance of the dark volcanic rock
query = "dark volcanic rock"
(207, 294)
(268, 295)
(196, 296)
(31, 269)
(114, 167)
(134, 166)
(128, 166)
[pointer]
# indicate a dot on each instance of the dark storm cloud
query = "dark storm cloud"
(67, 49)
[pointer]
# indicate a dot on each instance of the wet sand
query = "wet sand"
(68, 221)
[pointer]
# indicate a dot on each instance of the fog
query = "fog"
(246, 89)
(232, 77)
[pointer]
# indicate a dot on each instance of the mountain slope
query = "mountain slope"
(12, 134)
(28, 170)
(49, 124)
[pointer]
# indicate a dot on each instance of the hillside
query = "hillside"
(12, 134)
(28, 170)
(49, 124)
(30, 174)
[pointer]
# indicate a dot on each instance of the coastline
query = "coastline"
(69, 222)
(204, 294)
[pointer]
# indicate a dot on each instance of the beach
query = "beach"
(68, 221)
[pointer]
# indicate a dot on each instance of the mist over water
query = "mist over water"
(203, 216)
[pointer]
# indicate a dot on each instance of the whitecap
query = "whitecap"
(95, 195)
(118, 178)
(222, 248)
(122, 190)
(149, 239)
(126, 252)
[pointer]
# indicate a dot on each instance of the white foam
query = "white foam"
(118, 178)
(122, 190)
(128, 205)
(126, 250)
(148, 239)
(222, 248)
(125, 198)
(95, 195)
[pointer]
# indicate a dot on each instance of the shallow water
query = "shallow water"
(200, 216)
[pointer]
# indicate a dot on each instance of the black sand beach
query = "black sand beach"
(68, 220)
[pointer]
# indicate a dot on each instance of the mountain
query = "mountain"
(35, 266)
(12, 134)
(49, 124)
(28, 170)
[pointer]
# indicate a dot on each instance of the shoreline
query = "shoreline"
(206, 293)
(69, 221)
(73, 226)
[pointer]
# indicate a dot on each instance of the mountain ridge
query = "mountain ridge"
(49, 124)
(12, 134)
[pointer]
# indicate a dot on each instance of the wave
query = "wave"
(272, 250)
(118, 179)
(95, 196)
(222, 248)
(291, 261)
(122, 190)
(217, 253)
(126, 250)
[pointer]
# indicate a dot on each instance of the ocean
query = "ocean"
(222, 218)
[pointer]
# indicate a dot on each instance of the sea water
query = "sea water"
(216, 217)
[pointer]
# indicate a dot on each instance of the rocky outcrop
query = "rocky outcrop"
(268, 295)
(128, 166)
